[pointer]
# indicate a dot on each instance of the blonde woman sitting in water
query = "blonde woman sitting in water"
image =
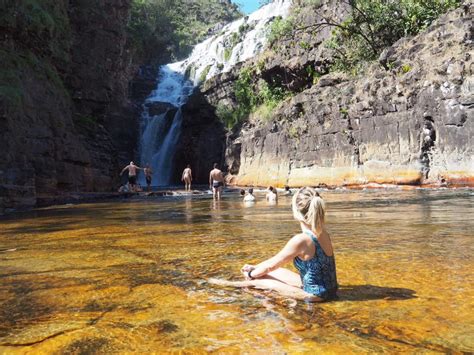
(311, 252)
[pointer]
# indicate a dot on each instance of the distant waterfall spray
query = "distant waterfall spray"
(161, 128)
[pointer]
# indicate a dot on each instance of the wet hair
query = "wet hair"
(287, 188)
(250, 191)
(216, 165)
(309, 208)
(242, 192)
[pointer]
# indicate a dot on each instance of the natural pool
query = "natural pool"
(130, 276)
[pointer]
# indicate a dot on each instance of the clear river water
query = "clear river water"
(131, 276)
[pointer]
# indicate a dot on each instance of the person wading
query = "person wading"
(216, 182)
(187, 178)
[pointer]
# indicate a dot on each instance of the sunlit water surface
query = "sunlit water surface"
(130, 276)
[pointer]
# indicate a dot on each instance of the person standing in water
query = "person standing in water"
(287, 191)
(187, 177)
(311, 252)
(272, 196)
(216, 182)
(132, 175)
(249, 197)
(148, 174)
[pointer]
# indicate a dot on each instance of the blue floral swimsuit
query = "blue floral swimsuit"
(318, 274)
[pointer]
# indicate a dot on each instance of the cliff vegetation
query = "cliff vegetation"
(355, 40)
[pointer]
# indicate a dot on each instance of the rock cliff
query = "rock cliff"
(409, 124)
(66, 117)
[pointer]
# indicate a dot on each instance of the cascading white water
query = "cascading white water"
(236, 42)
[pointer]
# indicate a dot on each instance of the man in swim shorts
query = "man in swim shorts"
(216, 181)
(132, 175)
(148, 174)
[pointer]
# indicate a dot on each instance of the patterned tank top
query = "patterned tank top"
(318, 274)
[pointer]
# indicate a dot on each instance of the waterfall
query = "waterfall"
(161, 116)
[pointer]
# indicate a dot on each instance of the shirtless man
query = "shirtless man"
(216, 181)
(148, 173)
(187, 177)
(132, 175)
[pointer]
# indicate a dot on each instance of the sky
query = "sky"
(248, 6)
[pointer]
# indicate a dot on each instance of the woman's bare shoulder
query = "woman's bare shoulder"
(299, 238)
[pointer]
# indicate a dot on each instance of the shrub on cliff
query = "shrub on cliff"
(377, 24)
(371, 26)
(251, 96)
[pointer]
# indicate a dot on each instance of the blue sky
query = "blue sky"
(248, 6)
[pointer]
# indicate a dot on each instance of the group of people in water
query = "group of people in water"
(216, 179)
(132, 177)
(311, 251)
(132, 186)
(271, 195)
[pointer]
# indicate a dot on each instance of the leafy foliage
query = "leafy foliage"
(377, 24)
(279, 28)
(260, 98)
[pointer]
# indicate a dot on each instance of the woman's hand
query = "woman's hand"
(246, 269)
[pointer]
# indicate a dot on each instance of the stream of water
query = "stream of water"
(131, 276)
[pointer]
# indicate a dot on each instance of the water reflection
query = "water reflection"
(131, 276)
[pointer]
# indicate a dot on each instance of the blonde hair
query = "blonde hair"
(309, 208)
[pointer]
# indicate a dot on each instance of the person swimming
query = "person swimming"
(249, 197)
(272, 195)
(311, 252)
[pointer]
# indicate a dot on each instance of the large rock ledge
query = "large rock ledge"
(412, 124)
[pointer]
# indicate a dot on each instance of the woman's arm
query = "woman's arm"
(293, 248)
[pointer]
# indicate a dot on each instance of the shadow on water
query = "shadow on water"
(371, 292)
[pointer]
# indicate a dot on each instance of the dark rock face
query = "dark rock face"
(71, 137)
(99, 78)
(412, 124)
(202, 141)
